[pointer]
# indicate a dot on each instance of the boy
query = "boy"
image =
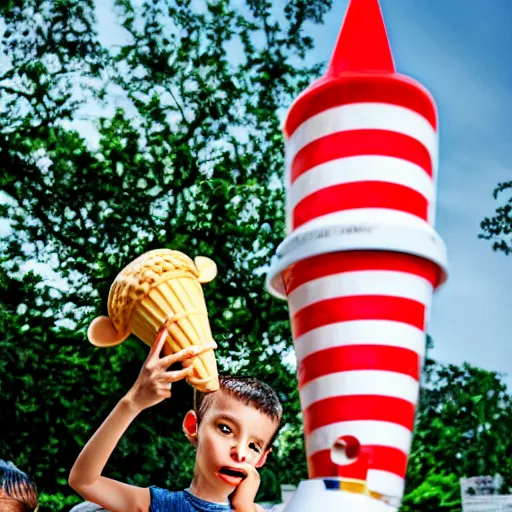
(18, 492)
(232, 429)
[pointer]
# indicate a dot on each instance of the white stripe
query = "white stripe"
(361, 282)
(385, 483)
(361, 168)
(367, 432)
(363, 116)
(360, 382)
(360, 332)
(362, 215)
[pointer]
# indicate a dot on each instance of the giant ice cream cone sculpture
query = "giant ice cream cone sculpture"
(162, 286)
(360, 262)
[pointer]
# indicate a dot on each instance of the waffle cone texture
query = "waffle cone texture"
(162, 285)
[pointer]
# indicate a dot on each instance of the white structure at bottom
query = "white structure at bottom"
(314, 495)
(479, 494)
(495, 503)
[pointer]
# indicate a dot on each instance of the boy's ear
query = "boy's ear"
(263, 458)
(190, 426)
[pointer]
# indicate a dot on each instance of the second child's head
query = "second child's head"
(18, 492)
(231, 427)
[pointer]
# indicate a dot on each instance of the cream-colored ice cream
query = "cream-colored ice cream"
(162, 285)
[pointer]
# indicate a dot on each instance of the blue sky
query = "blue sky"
(458, 49)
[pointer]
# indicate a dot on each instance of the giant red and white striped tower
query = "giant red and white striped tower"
(361, 259)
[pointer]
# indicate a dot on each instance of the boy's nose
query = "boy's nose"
(238, 453)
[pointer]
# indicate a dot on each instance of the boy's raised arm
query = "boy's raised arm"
(85, 476)
(151, 387)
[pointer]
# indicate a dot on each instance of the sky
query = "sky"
(458, 49)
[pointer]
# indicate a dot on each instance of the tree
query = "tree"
(498, 228)
(462, 429)
(193, 161)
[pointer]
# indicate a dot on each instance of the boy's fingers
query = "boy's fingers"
(184, 355)
(159, 342)
(250, 470)
(247, 467)
(176, 375)
(206, 348)
(167, 361)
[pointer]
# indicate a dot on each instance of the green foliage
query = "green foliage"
(438, 491)
(57, 501)
(498, 228)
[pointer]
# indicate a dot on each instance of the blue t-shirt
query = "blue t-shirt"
(163, 500)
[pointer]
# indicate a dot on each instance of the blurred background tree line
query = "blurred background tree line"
(181, 148)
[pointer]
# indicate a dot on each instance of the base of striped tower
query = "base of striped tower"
(325, 495)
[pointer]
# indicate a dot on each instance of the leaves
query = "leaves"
(498, 228)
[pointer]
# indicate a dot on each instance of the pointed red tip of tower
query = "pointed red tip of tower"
(362, 43)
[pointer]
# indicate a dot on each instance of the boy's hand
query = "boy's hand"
(153, 385)
(242, 499)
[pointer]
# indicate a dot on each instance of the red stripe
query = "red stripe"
(384, 458)
(361, 194)
(353, 261)
(358, 307)
(358, 357)
(358, 407)
(360, 142)
(391, 89)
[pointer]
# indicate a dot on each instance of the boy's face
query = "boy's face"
(231, 434)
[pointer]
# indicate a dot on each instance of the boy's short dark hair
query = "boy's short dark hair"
(249, 391)
(18, 487)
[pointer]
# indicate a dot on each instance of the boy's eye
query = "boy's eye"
(224, 428)
(255, 447)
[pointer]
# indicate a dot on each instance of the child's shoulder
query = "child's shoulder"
(162, 499)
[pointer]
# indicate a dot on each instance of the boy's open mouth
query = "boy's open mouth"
(237, 473)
